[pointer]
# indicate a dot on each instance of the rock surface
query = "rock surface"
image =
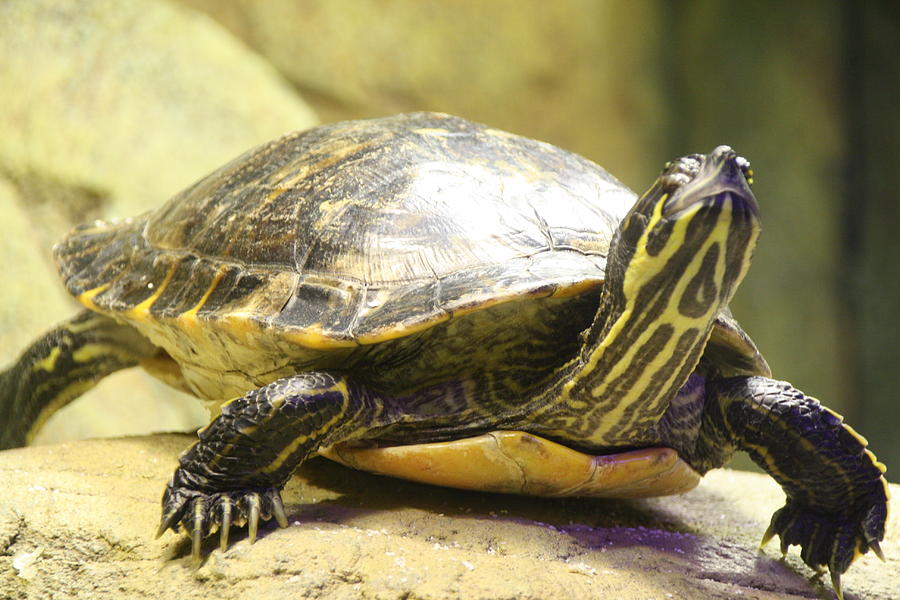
(77, 519)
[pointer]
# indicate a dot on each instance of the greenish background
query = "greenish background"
(108, 108)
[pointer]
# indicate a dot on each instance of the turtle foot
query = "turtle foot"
(831, 541)
(201, 514)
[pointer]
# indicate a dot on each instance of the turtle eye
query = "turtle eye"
(744, 165)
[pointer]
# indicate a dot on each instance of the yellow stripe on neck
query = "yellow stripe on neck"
(615, 403)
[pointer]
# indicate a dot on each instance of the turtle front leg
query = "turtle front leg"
(836, 493)
(235, 473)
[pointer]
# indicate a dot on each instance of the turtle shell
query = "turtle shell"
(352, 233)
(360, 231)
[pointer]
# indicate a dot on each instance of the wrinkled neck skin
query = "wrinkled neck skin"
(674, 264)
(682, 428)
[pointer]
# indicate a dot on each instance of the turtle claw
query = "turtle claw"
(225, 528)
(197, 529)
(875, 547)
(196, 540)
(831, 541)
(201, 514)
(167, 522)
(767, 536)
(836, 585)
(253, 501)
(278, 511)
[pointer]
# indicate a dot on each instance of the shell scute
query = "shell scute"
(320, 305)
(381, 227)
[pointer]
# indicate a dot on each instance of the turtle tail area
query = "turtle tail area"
(59, 367)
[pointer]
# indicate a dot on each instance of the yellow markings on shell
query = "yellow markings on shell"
(340, 387)
(242, 325)
(285, 185)
(333, 157)
(501, 297)
(403, 330)
(314, 337)
(142, 310)
(576, 289)
(87, 298)
(189, 317)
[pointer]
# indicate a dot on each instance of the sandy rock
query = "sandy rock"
(78, 518)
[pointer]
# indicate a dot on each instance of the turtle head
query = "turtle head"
(696, 179)
(693, 231)
(674, 264)
(690, 185)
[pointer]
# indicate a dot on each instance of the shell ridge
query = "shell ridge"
(348, 186)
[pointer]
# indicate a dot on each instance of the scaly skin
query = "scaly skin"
(245, 456)
(60, 366)
(836, 494)
(237, 469)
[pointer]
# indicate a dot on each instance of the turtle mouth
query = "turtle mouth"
(707, 180)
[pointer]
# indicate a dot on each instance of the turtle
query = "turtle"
(432, 298)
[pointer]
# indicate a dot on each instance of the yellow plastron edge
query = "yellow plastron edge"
(521, 463)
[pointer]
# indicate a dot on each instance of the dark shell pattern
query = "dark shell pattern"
(358, 231)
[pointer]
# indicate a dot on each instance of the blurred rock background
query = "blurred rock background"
(108, 108)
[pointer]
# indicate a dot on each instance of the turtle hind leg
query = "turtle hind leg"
(836, 494)
(60, 366)
(235, 473)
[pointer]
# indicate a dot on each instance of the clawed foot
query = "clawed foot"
(828, 541)
(201, 514)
